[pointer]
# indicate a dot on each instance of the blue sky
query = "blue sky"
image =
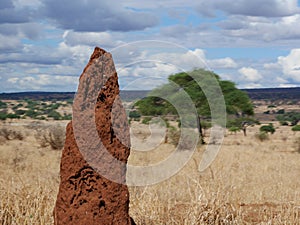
(45, 44)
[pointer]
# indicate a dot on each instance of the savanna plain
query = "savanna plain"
(251, 181)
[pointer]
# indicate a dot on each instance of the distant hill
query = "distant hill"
(254, 94)
(61, 96)
(274, 93)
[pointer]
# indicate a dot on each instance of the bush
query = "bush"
(267, 129)
(146, 120)
(3, 105)
(54, 137)
(262, 136)
(234, 129)
(55, 115)
(67, 117)
(31, 113)
(20, 112)
(280, 111)
(13, 116)
(134, 115)
(10, 134)
(3, 116)
(283, 123)
(296, 128)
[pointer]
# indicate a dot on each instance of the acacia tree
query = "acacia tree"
(237, 102)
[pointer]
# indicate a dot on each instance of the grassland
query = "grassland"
(250, 182)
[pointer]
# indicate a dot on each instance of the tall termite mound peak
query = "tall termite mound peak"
(92, 186)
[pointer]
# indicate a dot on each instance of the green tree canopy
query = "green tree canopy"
(237, 102)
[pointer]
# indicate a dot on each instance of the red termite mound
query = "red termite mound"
(93, 166)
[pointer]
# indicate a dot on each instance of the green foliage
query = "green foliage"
(31, 104)
(267, 128)
(55, 115)
(234, 129)
(55, 106)
(31, 113)
(3, 105)
(20, 112)
(292, 117)
(134, 115)
(283, 123)
(237, 101)
(3, 115)
(70, 101)
(280, 111)
(237, 122)
(67, 117)
(154, 106)
(205, 124)
(296, 128)
(12, 116)
(146, 120)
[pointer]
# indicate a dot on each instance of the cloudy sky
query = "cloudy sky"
(45, 44)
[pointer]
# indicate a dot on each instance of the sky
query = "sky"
(45, 44)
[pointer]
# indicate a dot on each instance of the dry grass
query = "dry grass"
(250, 182)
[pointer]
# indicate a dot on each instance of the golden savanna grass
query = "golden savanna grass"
(250, 182)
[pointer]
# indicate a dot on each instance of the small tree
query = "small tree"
(267, 128)
(296, 128)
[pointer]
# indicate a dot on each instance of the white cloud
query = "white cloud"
(266, 8)
(102, 39)
(224, 63)
(250, 74)
(96, 15)
(13, 80)
(291, 64)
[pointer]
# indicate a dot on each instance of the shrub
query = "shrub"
(13, 116)
(262, 136)
(146, 120)
(283, 123)
(10, 134)
(20, 112)
(280, 111)
(55, 115)
(134, 115)
(3, 116)
(296, 128)
(3, 105)
(67, 117)
(54, 137)
(234, 129)
(31, 113)
(267, 129)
